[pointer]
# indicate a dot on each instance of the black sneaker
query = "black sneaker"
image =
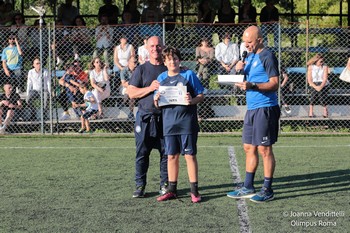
(139, 192)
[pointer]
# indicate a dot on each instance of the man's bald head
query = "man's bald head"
(155, 47)
(253, 39)
(253, 32)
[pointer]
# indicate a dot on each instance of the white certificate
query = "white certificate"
(172, 95)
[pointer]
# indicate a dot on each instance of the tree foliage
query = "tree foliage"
(325, 7)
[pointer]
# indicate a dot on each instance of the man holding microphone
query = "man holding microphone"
(260, 130)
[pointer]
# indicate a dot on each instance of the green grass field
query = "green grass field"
(85, 184)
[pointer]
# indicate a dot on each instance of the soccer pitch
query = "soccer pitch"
(85, 184)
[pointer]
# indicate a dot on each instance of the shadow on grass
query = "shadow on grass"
(312, 184)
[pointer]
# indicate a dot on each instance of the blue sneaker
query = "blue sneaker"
(264, 195)
(242, 193)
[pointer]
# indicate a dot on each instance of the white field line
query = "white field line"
(133, 147)
(243, 218)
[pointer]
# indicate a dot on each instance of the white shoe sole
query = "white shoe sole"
(240, 197)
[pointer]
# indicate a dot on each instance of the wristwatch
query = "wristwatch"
(254, 86)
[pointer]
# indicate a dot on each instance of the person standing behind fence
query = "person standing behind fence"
(20, 29)
(226, 13)
(148, 122)
(180, 123)
(317, 77)
(34, 87)
(104, 36)
(112, 12)
(269, 18)
(9, 103)
(227, 54)
(66, 13)
(12, 62)
(131, 6)
(260, 128)
(247, 13)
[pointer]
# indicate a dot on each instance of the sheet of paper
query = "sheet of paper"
(172, 95)
(230, 78)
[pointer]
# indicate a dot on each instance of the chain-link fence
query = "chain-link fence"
(66, 55)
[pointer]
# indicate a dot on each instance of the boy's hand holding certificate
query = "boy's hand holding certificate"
(172, 95)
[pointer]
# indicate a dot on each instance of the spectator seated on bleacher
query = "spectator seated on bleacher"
(204, 56)
(124, 80)
(121, 56)
(70, 95)
(227, 54)
(9, 103)
(317, 77)
(99, 80)
(142, 51)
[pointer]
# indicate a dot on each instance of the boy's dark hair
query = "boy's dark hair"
(170, 51)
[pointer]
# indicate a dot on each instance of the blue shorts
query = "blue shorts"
(184, 144)
(261, 126)
(88, 114)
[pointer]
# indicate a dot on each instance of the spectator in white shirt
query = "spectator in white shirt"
(34, 87)
(142, 51)
(104, 36)
(242, 48)
(227, 54)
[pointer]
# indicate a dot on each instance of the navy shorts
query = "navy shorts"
(184, 144)
(261, 126)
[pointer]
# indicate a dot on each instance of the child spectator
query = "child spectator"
(90, 105)
(180, 123)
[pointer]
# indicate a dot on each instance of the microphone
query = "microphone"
(244, 55)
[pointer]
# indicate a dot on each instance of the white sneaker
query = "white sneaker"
(2, 129)
(58, 61)
(287, 109)
(65, 117)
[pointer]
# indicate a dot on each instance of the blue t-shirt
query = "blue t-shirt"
(12, 58)
(143, 76)
(259, 68)
(181, 119)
